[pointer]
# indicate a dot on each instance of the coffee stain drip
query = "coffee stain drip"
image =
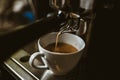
(58, 68)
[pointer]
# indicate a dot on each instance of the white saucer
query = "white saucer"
(48, 75)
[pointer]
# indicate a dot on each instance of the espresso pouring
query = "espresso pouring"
(60, 46)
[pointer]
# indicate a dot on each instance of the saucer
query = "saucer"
(48, 75)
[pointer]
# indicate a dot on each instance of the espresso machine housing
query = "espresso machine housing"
(78, 15)
(96, 22)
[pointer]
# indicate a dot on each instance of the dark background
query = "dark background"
(104, 51)
(102, 60)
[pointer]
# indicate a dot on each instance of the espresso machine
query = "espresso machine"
(88, 19)
(64, 15)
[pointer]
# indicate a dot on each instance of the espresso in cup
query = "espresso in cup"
(61, 48)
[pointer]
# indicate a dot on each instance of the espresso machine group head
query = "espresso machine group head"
(79, 16)
(75, 12)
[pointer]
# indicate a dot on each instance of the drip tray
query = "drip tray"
(18, 64)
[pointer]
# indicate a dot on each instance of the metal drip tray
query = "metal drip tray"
(19, 67)
(18, 64)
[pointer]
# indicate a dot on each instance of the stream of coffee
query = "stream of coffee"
(57, 38)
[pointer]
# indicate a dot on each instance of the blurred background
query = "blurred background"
(14, 13)
(101, 61)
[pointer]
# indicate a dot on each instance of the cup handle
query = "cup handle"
(32, 60)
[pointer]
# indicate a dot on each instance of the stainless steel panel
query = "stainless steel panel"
(22, 69)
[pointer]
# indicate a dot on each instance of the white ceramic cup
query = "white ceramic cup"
(58, 63)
